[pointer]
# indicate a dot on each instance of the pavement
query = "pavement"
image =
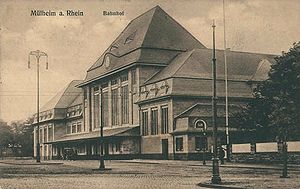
(131, 174)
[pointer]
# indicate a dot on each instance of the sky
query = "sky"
(73, 44)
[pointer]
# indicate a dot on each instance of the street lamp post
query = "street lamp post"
(205, 143)
(38, 54)
(216, 179)
(102, 165)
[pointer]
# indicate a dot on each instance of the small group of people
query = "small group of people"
(69, 154)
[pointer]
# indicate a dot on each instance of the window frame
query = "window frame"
(115, 106)
(179, 144)
(154, 127)
(124, 104)
(164, 120)
(145, 123)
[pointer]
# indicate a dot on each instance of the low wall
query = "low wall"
(270, 152)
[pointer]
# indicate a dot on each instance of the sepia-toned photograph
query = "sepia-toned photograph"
(142, 94)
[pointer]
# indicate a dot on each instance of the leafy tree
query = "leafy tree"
(22, 132)
(276, 104)
(6, 136)
(17, 136)
(282, 90)
(275, 107)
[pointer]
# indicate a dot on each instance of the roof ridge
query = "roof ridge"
(244, 52)
(162, 68)
(147, 31)
(183, 62)
(188, 109)
(170, 62)
(261, 63)
(157, 7)
(69, 105)
(112, 43)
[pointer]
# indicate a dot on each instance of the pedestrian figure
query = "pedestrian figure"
(221, 154)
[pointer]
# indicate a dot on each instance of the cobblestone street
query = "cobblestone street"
(138, 174)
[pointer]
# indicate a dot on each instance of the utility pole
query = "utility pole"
(228, 151)
(216, 179)
(38, 54)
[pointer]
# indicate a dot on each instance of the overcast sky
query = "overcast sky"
(74, 43)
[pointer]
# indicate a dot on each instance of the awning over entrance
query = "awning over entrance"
(132, 131)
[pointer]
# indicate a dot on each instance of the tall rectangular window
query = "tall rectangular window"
(179, 144)
(105, 108)
(79, 125)
(145, 123)
(125, 104)
(85, 106)
(164, 120)
(73, 127)
(114, 106)
(96, 107)
(45, 134)
(41, 135)
(50, 132)
(154, 122)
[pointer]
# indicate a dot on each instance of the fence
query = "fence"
(265, 152)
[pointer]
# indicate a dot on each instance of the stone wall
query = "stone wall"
(269, 152)
(265, 157)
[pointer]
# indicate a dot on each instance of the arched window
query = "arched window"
(200, 124)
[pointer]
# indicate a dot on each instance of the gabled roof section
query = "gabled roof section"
(152, 31)
(65, 97)
(197, 64)
(164, 32)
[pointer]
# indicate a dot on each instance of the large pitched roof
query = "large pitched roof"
(197, 64)
(153, 32)
(65, 97)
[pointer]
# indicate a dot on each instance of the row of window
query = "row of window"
(119, 105)
(46, 133)
(113, 99)
(74, 127)
(200, 143)
(43, 116)
(154, 120)
(74, 111)
(113, 147)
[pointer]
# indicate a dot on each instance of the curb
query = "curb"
(209, 185)
(11, 163)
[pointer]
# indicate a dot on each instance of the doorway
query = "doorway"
(165, 148)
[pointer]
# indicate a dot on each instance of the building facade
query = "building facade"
(152, 89)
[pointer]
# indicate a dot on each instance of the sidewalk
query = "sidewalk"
(164, 162)
(209, 164)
